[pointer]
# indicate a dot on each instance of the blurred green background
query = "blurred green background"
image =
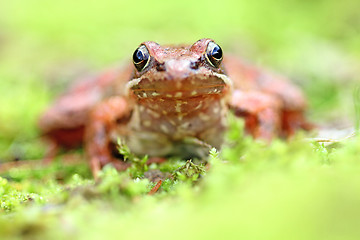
(46, 44)
(289, 194)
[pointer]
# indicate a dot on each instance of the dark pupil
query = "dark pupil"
(138, 56)
(216, 52)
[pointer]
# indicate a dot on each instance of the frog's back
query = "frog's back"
(64, 121)
(249, 78)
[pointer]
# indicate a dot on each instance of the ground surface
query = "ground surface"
(294, 190)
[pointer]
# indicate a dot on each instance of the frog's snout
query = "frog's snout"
(177, 68)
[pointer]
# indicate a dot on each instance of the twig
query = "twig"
(155, 188)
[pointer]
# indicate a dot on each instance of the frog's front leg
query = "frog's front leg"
(261, 112)
(108, 116)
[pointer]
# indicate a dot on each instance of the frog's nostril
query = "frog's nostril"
(161, 67)
(194, 65)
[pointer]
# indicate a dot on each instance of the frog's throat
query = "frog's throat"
(228, 82)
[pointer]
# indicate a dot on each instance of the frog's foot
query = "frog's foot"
(51, 152)
(265, 116)
(291, 121)
(96, 164)
(260, 111)
(113, 113)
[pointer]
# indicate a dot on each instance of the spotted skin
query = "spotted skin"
(172, 101)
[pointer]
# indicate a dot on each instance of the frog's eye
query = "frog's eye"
(141, 58)
(214, 54)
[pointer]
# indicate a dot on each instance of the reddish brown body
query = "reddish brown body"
(172, 101)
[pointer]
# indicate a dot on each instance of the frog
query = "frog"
(172, 100)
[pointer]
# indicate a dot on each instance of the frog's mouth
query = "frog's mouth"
(192, 86)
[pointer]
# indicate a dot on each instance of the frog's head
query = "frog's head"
(178, 71)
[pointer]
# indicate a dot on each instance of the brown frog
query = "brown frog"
(172, 100)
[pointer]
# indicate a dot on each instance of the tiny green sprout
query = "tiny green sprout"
(323, 152)
(189, 171)
(138, 166)
(128, 155)
(214, 156)
(214, 153)
(124, 150)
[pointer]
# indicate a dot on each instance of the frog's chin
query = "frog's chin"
(192, 86)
